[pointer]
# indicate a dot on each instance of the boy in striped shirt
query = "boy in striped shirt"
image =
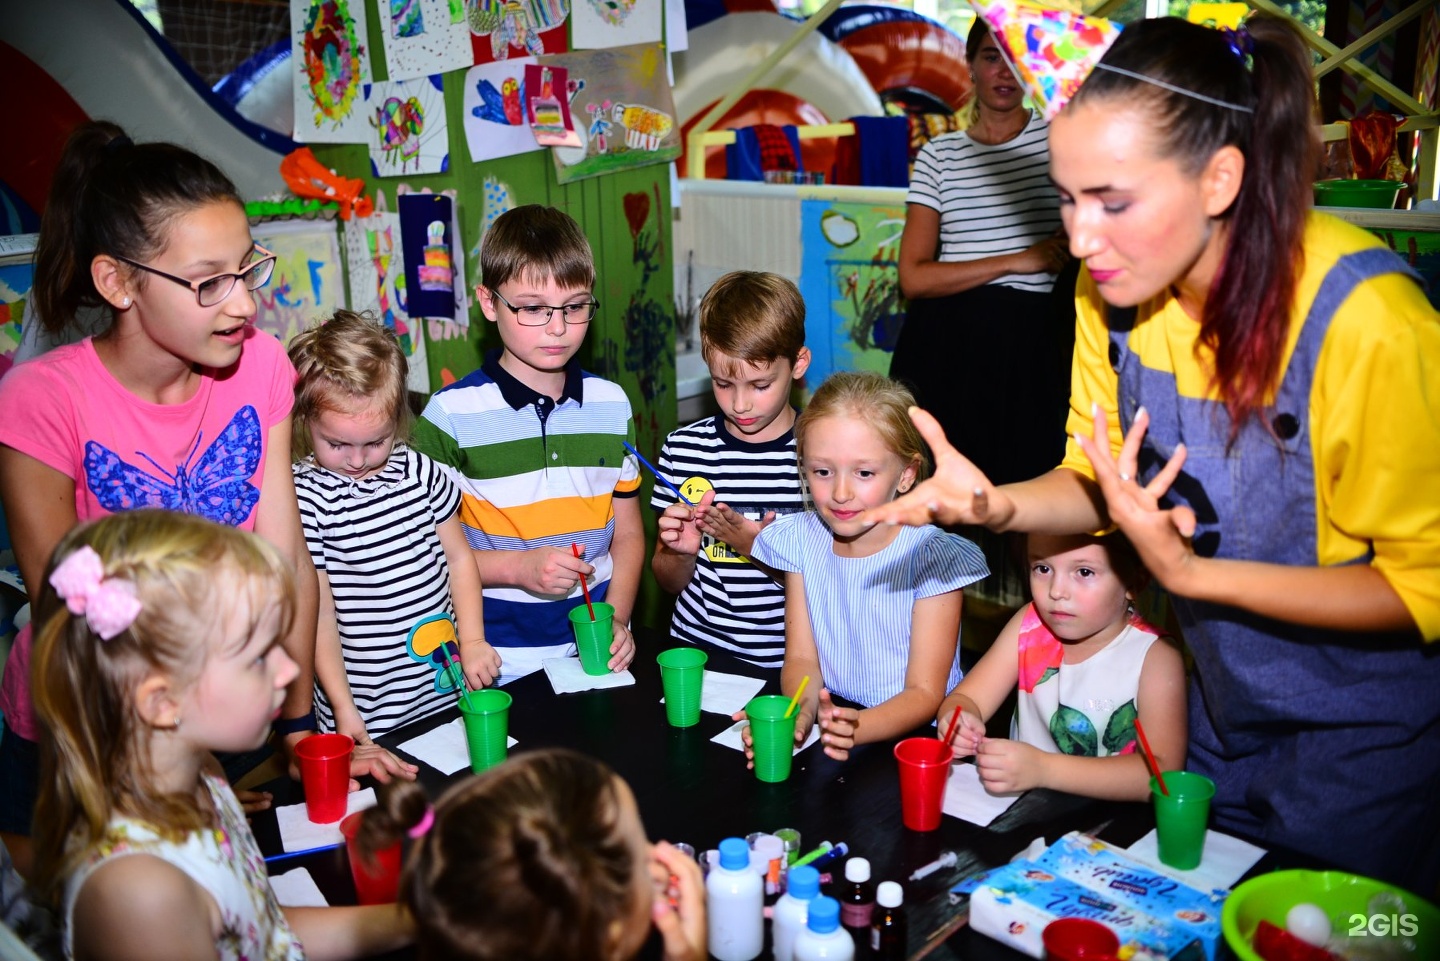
(739, 469)
(536, 446)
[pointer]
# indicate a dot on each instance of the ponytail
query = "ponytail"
(112, 196)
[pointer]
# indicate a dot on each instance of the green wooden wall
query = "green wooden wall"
(627, 217)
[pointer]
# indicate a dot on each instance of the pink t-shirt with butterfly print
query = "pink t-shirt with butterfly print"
(205, 456)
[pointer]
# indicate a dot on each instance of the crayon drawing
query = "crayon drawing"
(408, 130)
(332, 65)
(502, 29)
(374, 256)
(305, 285)
(494, 111)
(423, 37)
(596, 24)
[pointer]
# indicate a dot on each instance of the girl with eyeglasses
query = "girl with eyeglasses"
(179, 402)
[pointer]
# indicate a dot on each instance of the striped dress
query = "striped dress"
(730, 603)
(861, 608)
(375, 540)
(533, 472)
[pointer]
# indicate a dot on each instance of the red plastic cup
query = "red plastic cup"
(378, 880)
(1079, 939)
(924, 768)
(325, 774)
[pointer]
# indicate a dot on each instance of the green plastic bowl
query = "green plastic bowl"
(1357, 193)
(1344, 897)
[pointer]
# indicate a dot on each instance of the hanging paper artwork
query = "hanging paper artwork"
(374, 256)
(547, 105)
(1051, 51)
(423, 37)
(305, 285)
(623, 99)
(408, 131)
(596, 24)
(426, 235)
(493, 110)
(500, 29)
(332, 65)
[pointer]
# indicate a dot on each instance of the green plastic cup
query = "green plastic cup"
(772, 735)
(593, 638)
(1181, 816)
(487, 726)
(682, 674)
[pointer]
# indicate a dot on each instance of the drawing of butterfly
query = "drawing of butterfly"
(218, 488)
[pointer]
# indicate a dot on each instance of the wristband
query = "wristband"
(292, 725)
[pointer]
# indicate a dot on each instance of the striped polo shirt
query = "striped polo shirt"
(861, 608)
(534, 471)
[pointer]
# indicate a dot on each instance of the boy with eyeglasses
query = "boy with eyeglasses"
(536, 446)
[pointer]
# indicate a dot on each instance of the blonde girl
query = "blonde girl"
(543, 858)
(1087, 668)
(872, 613)
(382, 524)
(158, 644)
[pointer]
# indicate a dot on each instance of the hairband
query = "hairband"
(1242, 45)
(115, 143)
(423, 826)
(1174, 89)
(109, 604)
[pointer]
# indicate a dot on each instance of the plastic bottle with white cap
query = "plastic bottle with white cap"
(792, 911)
(823, 939)
(735, 902)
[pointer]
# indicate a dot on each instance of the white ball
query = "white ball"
(1308, 923)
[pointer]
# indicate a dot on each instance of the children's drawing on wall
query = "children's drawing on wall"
(423, 37)
(615, 23)
(649, 320)
(408, 131)
(500, 29)
(623, 101)
(851, 284)
(434, 275)
(15, 283)
(547, 93)
(306, 281)
(374, 257)
(327, 47)
(494, 110)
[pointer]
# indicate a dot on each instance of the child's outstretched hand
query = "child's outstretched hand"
(969, 731)
(622, 648)
(679, 908)
(1007, 766)
(724, 523)
(480, 662)
(837, 727)
(550, 570)
(803, 722)
(678, 530)
(372, 759)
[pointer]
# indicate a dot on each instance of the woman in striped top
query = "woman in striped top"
(872, 611)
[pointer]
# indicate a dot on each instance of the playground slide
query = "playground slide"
(106, 59)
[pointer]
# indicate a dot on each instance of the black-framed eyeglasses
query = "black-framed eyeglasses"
(212, 290)
(539, 315)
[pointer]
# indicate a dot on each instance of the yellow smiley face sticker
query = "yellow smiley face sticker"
(694, 488)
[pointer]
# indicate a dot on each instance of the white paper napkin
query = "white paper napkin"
(1224, 861)
(444, 748)
(726, 693)
(730, 737)
(567, 676)
(299, 833)
(967, 799)
(297, 889)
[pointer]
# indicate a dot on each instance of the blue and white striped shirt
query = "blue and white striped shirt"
(861, 608)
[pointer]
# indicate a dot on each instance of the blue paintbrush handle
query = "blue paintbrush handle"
(658, 476)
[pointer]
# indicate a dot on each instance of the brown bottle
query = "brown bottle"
(888, 932)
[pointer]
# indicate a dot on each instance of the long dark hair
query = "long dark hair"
(112, 196)
(1246, 319)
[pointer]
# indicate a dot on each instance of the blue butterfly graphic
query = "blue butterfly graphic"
(218, 488)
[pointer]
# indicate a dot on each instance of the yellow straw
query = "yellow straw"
(796, 699)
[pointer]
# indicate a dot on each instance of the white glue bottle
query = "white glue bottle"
(792, 910)
(823, 939)
(735, 902)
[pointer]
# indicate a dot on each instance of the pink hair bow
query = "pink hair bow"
(109, 604)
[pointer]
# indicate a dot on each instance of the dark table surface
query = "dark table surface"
(692, 790)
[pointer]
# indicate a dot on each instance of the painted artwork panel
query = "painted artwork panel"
(331, 67)
(850, 279)
(597, 24)
(408, 130)
(509, 29)
(16, 279)
(422, 37)
(374, 254)
(494, 110)
(624, 106)
(426, 222)
(306, 284)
